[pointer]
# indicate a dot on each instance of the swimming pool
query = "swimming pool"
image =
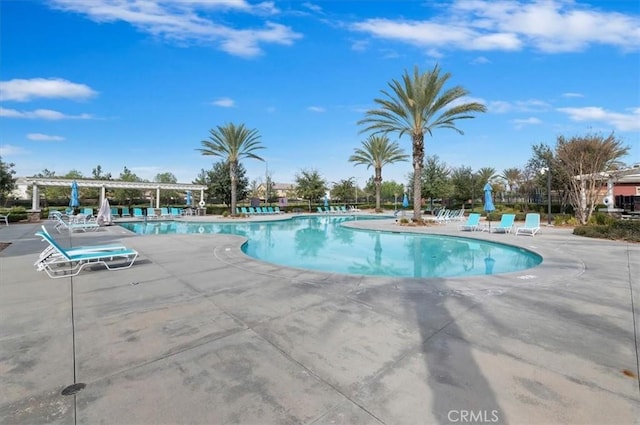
(322, 243)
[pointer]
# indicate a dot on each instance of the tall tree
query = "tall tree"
(310, 185)
(221, 186)
(232, 143)
(7, 181)
(344, 190)
(48, 192)
(98, 174)
(465, 184)
(218, 182)
(417, 105)
(125, 196)
(167, 196)
(582, 159)
(376, 152)
(435, 179)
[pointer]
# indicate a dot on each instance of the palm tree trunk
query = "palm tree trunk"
(233, 171)
(418, 160)
(378, 183)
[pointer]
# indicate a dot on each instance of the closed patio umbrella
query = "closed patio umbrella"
(488, 202)
(75, 198)
(188, 198)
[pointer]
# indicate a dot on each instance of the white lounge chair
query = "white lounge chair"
(50, 252)
(64, 263)
(78, 222)
(5, 218)
(531, 225)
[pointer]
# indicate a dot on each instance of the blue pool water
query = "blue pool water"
(322, 243)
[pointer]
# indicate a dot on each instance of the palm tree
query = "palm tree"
(485, 175)
(232, 143)
(512, 176)
(377, 152)
(418, 105)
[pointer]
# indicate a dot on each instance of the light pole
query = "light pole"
(547, 170)
(549, 193)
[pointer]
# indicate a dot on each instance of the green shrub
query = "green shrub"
(601, 219)
(626, 230)
(564, 220)
(14, 214)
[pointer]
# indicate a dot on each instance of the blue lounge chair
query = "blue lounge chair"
(151, 213)
(320, 210)
(114, 211)
(244, 211)
(176, 212)
(164, 213)
(473, 222)
(137, 213)
(67, 263)
(270, 210)
(48, 253)
(506, 224)
(125, 212)
(277, 210)
(531, 225)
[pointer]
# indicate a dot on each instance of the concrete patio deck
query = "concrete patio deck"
(196, 332)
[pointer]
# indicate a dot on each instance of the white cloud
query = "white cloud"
(316, 109)
(24, 90)
(224, 102)
(44, 137)
(360, 45)
(9, 150)
(529, 105)
(312, 7)
(548, 26)
(480, 60)
(519, 123)
(499, 107)
(43, 114)
(572, 95)
(619, 121)
(190, 21)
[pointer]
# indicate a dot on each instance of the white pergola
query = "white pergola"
(37, 182)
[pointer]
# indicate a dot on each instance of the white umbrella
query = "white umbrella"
(104, 215)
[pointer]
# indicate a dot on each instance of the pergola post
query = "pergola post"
(158, 197)
(35, 200)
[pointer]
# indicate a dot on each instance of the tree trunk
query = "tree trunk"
(378, 183)
(418, 160)
(233, 171)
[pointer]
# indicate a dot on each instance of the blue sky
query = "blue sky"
(140, 83)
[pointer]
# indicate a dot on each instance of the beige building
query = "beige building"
(278, 190)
